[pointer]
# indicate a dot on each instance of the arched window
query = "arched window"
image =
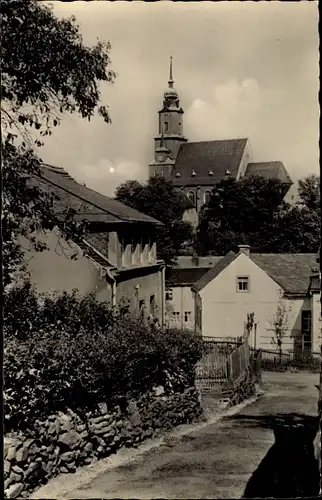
(207, 196)
(192, 197)
(166, 126)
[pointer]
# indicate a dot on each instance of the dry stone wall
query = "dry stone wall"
(67, 441)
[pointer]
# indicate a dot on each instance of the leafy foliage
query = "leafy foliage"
(159, 199)
(46, 69)
(252, 211)
(279, 323)
(74, 352)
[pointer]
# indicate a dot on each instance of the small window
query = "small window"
(176, 315)
(306, 322)
(166, 126)
(162, 173)
(242, 284)
(187, 316)
(192, 197)
(152, 304)
(169, 295)
(207, 196)
(141, 305)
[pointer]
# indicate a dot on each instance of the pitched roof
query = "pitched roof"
(188, 261)
(269, 170)
(292, 271)
(184, 277)
(202, 157)
(214, 271)
(87, 203)
(183, 198)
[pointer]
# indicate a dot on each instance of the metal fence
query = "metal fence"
(222, 363)
(273, 360)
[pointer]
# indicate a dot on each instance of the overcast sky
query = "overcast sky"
(242, 69)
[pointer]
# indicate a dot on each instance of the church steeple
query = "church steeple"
(171, 80)
(170, 135)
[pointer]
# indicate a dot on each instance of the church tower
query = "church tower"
(170, 135)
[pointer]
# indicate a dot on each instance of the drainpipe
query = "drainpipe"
(113, 280)
(162, 269)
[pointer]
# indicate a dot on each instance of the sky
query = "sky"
(242, 69)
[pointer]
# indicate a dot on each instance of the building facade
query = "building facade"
(274, 287)
(116, 260)
(195, 167)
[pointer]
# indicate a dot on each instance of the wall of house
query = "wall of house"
(143, 288)
(179, 310)
(54, 270)
(316, 322)
(246, 158)
(224, 309)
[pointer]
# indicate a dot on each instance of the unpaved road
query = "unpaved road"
(262, 451)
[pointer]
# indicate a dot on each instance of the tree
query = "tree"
(46, 71)
(247, 211)
(309, 192)
(252, 211)
(279, 323)
(159, 199)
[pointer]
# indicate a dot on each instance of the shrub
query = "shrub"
(68, 351)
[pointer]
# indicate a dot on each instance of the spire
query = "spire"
(170, 81)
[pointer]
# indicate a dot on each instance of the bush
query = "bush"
(74, 352)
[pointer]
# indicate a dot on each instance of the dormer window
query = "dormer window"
(228, 172)
(178, 174)
(210, 173)
(193, 174)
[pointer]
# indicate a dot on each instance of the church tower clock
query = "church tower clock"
(170, 136)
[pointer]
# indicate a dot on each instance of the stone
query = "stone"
(135, 419)
(16, 478)
(50, 466)
(97, 420)
(64, 470)
(14, 490)
(53, 428)
(32, 467)
(7, 482)
(70, 439)
(84, 434)
(159, 390)
(17, 469)
(6, 466)
(103, 408)
(68, 456)
(66, 426)
(109, 429)
(81, 427)
(39, 460)
(100, 441)
(11, 454)
(88, 447)
(100, 449)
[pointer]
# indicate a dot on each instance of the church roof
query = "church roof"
(269, 170)
(87, 203)
(208, 156)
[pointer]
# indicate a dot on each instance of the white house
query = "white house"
(269, 285)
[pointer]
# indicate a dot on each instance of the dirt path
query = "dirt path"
(247, 454)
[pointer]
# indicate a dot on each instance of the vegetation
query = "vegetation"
(252, 211)
(46, 71)
(71, 352)
(279, 323)
(159, 199)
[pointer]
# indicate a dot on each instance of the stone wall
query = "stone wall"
(241, 391)
(66, 441)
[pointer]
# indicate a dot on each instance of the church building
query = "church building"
(195, 167)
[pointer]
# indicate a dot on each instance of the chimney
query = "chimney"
(244, 249)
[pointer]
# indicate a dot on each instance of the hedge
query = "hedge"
(71, 352)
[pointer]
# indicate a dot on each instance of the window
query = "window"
(169, 295)
(187, 316)
(176, 315)
(242, 284)
(207, 196)
(306, 320)
(152, 304)
(192, 197)
(162, 173)
(166, 126)
(141, 307)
